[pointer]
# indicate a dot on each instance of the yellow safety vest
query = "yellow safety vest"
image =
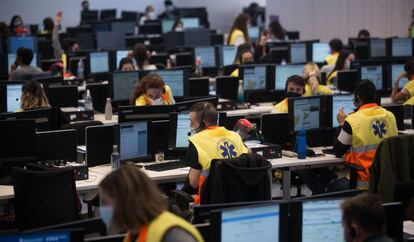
(234, 35)
(409, 86)
(410, 101)
(282, 107)
(160, 225)
(321, 90)
(143, 100)
(330, 77)
(370, 125)
(332, 58)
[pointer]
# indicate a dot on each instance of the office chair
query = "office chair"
(80, 128)
(44, 197)
(404, 193)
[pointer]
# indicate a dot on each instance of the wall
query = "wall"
(221, 13)
(325, 19)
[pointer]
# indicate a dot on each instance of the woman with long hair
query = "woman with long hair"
(342, 63)
(33, 96)
(312, 75)
(238, 34)
(141, 57)
(151, 90)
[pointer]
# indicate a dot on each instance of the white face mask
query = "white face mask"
(157, 101)
(347, 65)
(152, 15)
(106, 215)
(179, 29)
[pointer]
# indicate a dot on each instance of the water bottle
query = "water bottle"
(88, 101)
(136, 28)
(240, 92)
(115, 159)
(80, 69)
(301, 144)
(108, 109)
(198, 67)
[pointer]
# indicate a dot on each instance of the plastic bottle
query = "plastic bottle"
(301, 144)
(80, 69)
(88, 101)
(136, 28)
(115, 159)
(198, 67)
(108, 109)
(240, 92)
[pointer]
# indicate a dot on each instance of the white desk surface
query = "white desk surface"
(101, 117)
(254, 110)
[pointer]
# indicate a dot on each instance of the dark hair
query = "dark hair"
(340, 62)
(241, 49)
(336, 45)
(11, 26)
(140, 55)
(295, 79)
(149, 81)
(69, 43)
(124, 61)
(365, 90)
(168, 3)
(4, 30)
(48, 24)
(365, 210)
(25, 55)
(205, 112)
(240, 23)
(176, 23)
(409, 67)
(277, 30)
(363, 33)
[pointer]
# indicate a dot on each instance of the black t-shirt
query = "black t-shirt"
(191, 157)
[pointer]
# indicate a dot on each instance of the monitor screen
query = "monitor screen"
(254, 32)
(119, 55)
(298, 53)
(374, 74)
(167, 25)
(258, 223)
(174, 79)
(341, 101)
(306, 113)
(229, 54)
(320, 51)
(99, 62)
(190, 22)
(396, 69)
(207, 55)
(284, 72)
(12, 59)
(16, 42)
(378, 48)
(402, 47)
(133, 140)
(39, 236)
(183, 129)
(123, 84)
(321, 221)
(14, 93)
(254, 77)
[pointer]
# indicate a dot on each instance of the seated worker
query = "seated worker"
(141, 57)
(33, 96)
(178, 26)
(363, 219)
(151, 90)
(126, 64)
(342, 63)
(312, 76)
(238, 34)
(363, 34)
(407, 93)
(295, 87)
(336, 46)
(22, 65)
(131, 202)
(362, 131)
(210, 142)
(244, 56)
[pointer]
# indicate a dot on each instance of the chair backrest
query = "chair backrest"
(404, 193)
(243, 179)
(44, 197)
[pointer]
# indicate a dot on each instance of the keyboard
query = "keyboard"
(165, 166)
(329, 151)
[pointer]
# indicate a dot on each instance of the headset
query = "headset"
(202, 125)
(295, 76)
(362, 83)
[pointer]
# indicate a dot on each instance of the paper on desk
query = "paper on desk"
(408, 227)
(82, 148)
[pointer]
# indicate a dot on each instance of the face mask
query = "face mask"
(152, 15)
(179, 29)
(106, 215)
(157, 101)
(17, 22)
(293, 94)
(347, 65)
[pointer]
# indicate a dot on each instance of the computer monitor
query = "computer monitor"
(110, 40)
(12, 58)
(378, 48)
(167, 25)
(10, 96)
(45, 118)
(89, 16)
(282, 73)
(120, 54)
(253, 223)
(107, 14)
(98, 62)
(21, 135)
(374, 73)
(320, 51)
(56, 236)
(226, 87)
(136, 113)
(191, 22)
(395, 70)
(346, 80)
(133, 139)
(15, 42)
(398, 111)
(186, 105)
(57, 145)
(99, 141)
(198, 87)
(321, 221)
(275, 128)
(176, 79)
(341, 101)
(123, 27)
(228, 54)
(401, 47)
(123, 83)
(207, 56)
(129, 16)
(308, 113)
(254, 77)
(254, 33)
(62, 95)
(279, 52)
(298, 53)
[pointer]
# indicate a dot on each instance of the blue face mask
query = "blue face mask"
(106, 214)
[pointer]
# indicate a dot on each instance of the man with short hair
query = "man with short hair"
(23, 65)
(295, 87)
(363, 219)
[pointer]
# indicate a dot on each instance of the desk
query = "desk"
(101, 117)
(252, 111)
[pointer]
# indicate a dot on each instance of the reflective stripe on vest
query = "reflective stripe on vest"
(370, 125)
